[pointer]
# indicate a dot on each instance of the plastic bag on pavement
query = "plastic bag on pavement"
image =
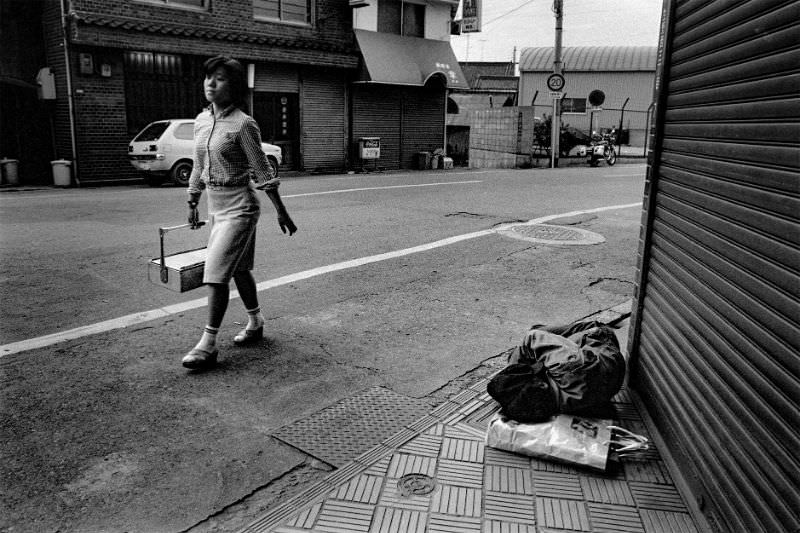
(564, 438)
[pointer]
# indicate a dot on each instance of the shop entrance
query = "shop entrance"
(277, 116)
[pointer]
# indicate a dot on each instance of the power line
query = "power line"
(508, 12)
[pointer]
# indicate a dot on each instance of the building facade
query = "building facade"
(407, 69)
(120, 65)
(625, 75)
(317, 84)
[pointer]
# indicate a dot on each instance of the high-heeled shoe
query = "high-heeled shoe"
(249, 336)
(198, 358)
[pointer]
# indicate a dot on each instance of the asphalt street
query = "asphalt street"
(398, 280)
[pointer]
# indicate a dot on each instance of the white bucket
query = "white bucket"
(10, 171)
(62, 172)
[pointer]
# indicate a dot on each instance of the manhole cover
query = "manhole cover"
(550, 234)
(415, 485)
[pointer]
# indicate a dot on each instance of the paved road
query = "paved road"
(393, 280)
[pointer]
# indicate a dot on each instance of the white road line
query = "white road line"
(319, 193)
(337, 191)
(153, 314)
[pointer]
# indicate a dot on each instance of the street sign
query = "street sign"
(555, 95)
(555, 82)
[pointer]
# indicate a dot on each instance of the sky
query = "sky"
(531, 23)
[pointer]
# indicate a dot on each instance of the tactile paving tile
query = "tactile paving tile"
(335, 515)
(480, 417)
(457, 501)
(363, 489)
(403, 463)
(398, 520)
(660, 497)
(462, 450)
(305, 519)
(601, 490)
(562, 514)
(508, 479)
(498, 526)
(426, 445)
(614, 519)
(493, 456)
(453, 524)
(460, 473)
(667, 522)
(648, 471)
(339, 433)
(557, 485)
(510, 508)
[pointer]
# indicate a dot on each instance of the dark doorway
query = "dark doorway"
(277, 116)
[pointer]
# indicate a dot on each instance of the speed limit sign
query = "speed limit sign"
(555, 82)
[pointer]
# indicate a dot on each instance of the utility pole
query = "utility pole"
(555, 134)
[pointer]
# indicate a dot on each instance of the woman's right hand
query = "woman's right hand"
(194, 217)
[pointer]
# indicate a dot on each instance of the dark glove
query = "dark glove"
(194, 216)
(285, 222)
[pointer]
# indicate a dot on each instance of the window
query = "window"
(401, 18)
(573, 105)
(296, 11)
(199, 4)
(185, 131)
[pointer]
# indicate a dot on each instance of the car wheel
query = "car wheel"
(274, 164)
(180, 173)
(154, 180)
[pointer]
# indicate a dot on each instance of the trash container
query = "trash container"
(10, 171)
(423, 160)
(62, 172)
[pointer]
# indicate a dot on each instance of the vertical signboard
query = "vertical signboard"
(471, 16)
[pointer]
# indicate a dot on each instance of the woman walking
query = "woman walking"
(230, 165)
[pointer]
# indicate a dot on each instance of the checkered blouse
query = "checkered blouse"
(227, 152)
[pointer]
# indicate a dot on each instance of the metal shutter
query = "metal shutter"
(324, 124)
(376, 113)
(276, 78)
(715, 331)
(423, 122)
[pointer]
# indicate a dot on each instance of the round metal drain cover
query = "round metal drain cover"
(415, 485)
(550, 234)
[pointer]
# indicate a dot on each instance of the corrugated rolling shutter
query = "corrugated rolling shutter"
(275, 78)
(324, 124)
(423, 122)
(715, 335)
(376, 113)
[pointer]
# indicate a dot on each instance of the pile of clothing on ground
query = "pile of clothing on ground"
(555, 396)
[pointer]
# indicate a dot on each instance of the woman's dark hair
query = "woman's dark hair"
(237, 78)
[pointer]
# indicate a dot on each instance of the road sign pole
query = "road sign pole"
(558, 7)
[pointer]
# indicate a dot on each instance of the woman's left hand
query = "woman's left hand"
(285, 222)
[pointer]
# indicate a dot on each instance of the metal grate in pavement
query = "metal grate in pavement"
(341, 432)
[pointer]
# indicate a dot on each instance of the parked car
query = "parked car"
(163, 149)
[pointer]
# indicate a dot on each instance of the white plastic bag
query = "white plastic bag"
(564, 438)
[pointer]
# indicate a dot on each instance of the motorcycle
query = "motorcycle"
(601, 148)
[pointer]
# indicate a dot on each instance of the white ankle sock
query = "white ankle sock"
(254, 318)
(209, 339)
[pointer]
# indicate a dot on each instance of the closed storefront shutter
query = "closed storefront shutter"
(715, 336)
(376, 113)
(275, 78)
(423, 122)
(324, 122)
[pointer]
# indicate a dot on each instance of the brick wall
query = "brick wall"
(106, 29)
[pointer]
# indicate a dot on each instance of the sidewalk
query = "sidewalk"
(436, 475)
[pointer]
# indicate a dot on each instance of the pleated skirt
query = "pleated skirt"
(233, 214)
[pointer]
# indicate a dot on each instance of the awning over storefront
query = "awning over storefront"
(399, 60)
